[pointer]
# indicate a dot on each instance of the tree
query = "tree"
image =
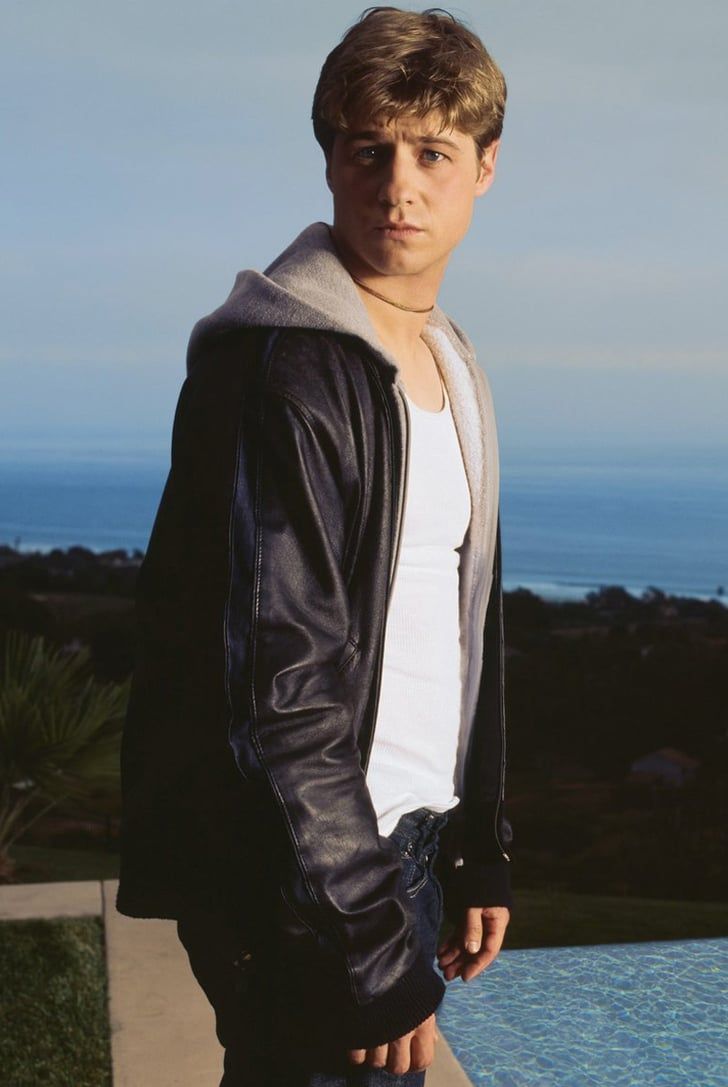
(60, 733)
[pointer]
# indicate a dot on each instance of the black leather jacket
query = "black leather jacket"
(261, 605)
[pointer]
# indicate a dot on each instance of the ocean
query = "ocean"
(640, 519)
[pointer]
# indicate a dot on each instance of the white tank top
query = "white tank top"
(412, 760)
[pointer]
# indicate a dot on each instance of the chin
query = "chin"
(396, 262)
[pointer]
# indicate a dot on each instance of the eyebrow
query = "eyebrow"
(370, 134)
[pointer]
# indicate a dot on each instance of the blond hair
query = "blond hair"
(392, 63)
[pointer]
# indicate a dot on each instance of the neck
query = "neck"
(398, 329)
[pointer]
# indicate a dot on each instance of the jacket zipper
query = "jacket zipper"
(396, 544)
(501, 670)
(392, 575)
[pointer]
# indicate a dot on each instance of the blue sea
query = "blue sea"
(640, 519)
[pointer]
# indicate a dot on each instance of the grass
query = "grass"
(47, 864)
(561, 919)
(53, 1016)
(564, 919)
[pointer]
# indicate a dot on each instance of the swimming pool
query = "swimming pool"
(614, 1015)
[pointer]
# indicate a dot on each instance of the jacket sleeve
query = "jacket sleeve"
(287, 639)
(481, 872)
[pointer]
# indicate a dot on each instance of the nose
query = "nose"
(396, 180)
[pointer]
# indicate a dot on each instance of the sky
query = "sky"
(152, 149)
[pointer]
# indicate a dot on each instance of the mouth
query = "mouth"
(398, 231)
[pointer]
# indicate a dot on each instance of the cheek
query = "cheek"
(454, 191)
(454, 204)
(352, 194)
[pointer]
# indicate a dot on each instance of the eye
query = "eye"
(432, 156)
(367, 154)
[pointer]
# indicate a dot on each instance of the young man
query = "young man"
(319, 687)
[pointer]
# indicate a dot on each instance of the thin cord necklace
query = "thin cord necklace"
(383, 298)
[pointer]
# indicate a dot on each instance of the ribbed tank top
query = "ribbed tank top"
(413, 754)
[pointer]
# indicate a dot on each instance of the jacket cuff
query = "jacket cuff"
(410, 1001)
(477, 884)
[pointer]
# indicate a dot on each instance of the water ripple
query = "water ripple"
(616, 1015)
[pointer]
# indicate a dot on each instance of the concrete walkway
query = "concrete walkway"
(44, 901)
(162, 1027)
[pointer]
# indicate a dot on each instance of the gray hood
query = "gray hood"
(307, 286)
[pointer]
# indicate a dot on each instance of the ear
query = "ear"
(328, 171)
(486, 167)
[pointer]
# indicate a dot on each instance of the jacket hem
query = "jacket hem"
(165, 905)
(402, 1008)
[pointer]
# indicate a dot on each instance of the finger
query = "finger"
(473, 935)
(357, 1056)
(449, 956)
(478, 963)
(494, 939)
(456, 954)
(398, 1059)
(493, 936)
(377, 1057)
(422, 1052)
(453, 969)
(471, 969)
(469, 966)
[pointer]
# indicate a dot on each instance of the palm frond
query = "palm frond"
(60, 729)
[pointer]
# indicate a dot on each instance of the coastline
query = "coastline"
(549, 590)
(569, 528)
(566, 592)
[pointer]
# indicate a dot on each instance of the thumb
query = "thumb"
(473, 931)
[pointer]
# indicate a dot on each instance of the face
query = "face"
(403, 195)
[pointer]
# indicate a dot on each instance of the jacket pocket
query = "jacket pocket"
(349, 655)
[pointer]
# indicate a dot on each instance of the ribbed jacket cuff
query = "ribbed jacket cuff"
(475, 884)
(408, 1003)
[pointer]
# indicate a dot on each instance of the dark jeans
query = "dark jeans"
(240, 988)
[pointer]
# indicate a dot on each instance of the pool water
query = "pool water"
(614, 1015)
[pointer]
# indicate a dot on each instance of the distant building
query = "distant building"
(666, 766)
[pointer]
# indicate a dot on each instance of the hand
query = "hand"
(474, 942)
(412, 1052)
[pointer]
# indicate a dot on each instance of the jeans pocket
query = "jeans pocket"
(440, 898)
(415, 872)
